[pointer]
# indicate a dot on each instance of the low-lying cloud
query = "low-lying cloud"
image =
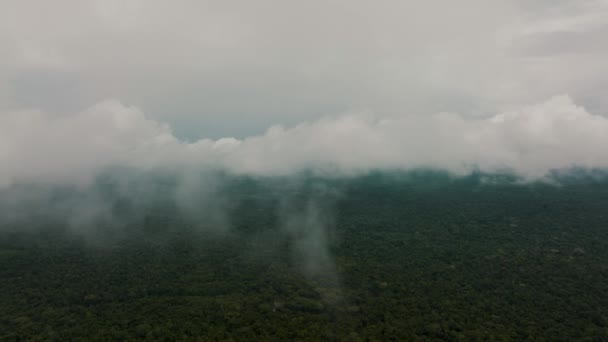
(40, 147)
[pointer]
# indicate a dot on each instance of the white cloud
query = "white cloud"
(531, 141)
(556, 134)
(38, 146)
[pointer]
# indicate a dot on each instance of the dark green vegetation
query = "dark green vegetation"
(380, 257)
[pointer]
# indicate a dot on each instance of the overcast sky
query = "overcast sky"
(233, 68)
(212, 69)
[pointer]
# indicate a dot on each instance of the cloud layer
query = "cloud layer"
(40, 147)
(233, 68)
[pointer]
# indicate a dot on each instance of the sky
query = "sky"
(278, 86)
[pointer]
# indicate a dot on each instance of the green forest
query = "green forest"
(376, 257)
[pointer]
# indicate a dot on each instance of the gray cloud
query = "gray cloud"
(212, 69)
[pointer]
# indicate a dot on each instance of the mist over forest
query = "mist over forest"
(269, 170)
(393, 255)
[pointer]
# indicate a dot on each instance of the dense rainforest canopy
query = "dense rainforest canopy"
(385, 256)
